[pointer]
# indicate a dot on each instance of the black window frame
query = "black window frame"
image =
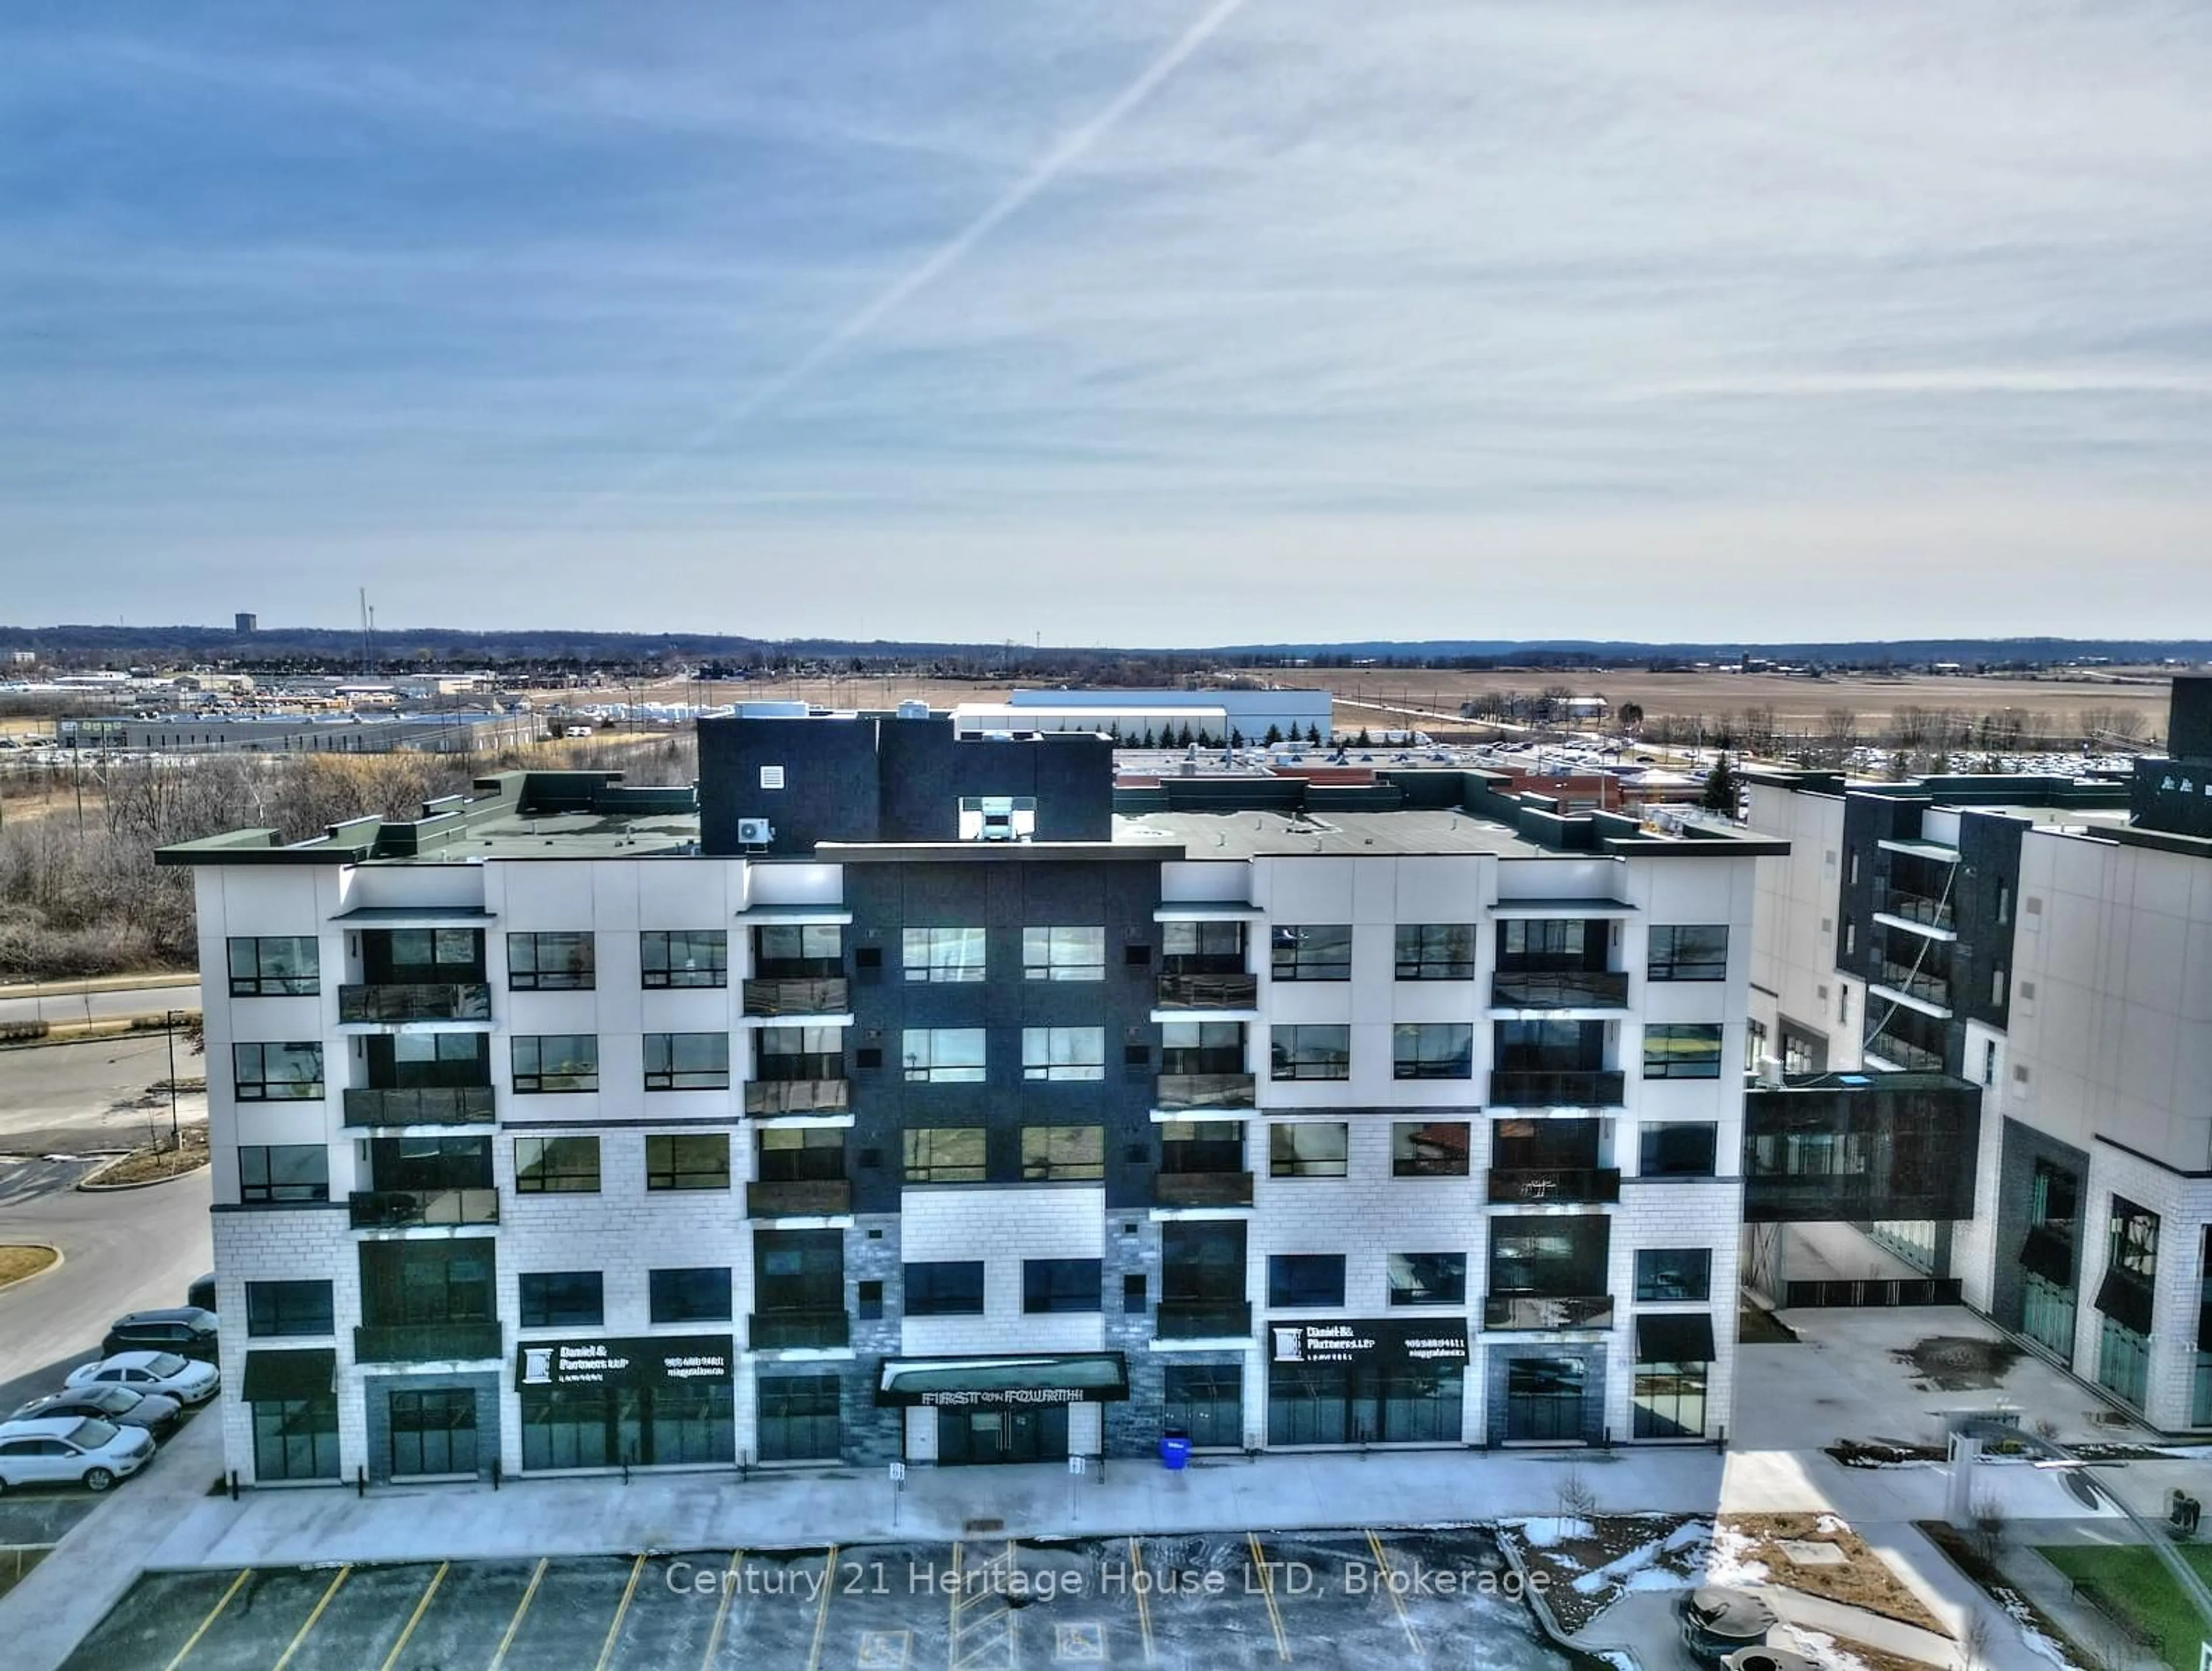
(1294, 1056)
(943, 1287)
(1441, 1280)
(1051, 1070)
(260, 983)
(532, 1081)
(1310, 951)
(562, 1299)
(1054, 1286)
(1678, 1149)
(250, 1080)
(920, 1068)
(689, 1294)
(1414, 1053)
(671, 1166)
(671, 1074)
(1704, 1064)
(1664, 1275)
(1041, 1165)
(1294, 1164)
(820, 1055)
(669, 958)
(1426, 950)
(1446, 1163)
(919, 1168)
(1306, 1281)
(290, 1306)
(573, 955)
(803, 1154)
(1043, 946)
(1665, 958)
(259, 1186)
(1214, 1046)
(535, 1176)
(931, 968)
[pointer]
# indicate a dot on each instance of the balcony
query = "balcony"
(799, 1198)
(1179, 1092)
(442, 1000)
(1203, 1320)
(1202, 1189)
(410, 1209)
(428, 1105)
(1923, 910)
(1547, 1311)
(798, 1096)
(1560, 989)
(425, 1343)
(775, 998)
(1906, 979)
(1209, 992)
(785, 1331)
(1515, 1088)
(1522, 1186)
(1898, 1056)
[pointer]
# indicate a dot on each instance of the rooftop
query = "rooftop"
(1248, 833)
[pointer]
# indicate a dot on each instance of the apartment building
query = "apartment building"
(2051, 941)
(900, 1094)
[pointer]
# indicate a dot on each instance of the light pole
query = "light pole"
(176, 1139)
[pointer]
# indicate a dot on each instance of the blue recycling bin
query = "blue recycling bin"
(1175, 1452)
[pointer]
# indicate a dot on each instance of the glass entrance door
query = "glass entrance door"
(1543, 1399)
(1035, 1433)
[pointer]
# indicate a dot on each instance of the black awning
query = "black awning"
(278, 1377)
(1074, 1377)
(2125, 1300)
(1685, 1337)
(2049, 1254)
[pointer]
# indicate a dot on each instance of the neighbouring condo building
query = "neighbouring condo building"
(908, 1094)
(2050, 940)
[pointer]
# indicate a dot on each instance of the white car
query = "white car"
(71, 1451)
(163, 1372)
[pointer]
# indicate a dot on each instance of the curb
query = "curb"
(92, 1032)
(1540, 1611)
(60, 1259)
(96, 983)
(91, 1186)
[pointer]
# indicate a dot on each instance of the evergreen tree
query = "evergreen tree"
(1148, 737)
(1182, 741)
(1721, 789)
(1313, 735)
(1363, 741)
(1274, 736)
(1236, 737)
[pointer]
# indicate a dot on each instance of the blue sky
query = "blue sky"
(1142, 323)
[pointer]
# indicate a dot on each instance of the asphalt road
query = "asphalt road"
(62, 1005)
(92, 1096)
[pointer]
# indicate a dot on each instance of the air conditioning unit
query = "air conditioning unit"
(754, 832)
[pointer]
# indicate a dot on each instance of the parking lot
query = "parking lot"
(1194, 1603)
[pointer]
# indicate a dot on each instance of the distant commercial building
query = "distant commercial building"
(1250, 713)
(917, 1096)
(188, 733)
(243, 623)
(2049, 940)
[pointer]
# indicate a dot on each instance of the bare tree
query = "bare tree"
(1576, 1498)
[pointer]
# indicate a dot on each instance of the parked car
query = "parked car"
(186, 1330)
(67, 1450)
(164, 1372)
(202, 1292)
(155, 1412)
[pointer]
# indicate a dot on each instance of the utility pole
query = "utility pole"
(176, 1137)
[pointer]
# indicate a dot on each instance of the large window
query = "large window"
(946, 1154)
(798, 1419)
(1679, 1050)
(434, 1431)
(684, 957)
(1562, 1255)
(1064, 954)
(557, 1166)
(1063, 1053)
(1307, 1149)
(2132, 1241)
(1061, 1285)
(415, 1062)
(1428, 1278)
(943, 1055)
(1541, 944)
(1306, 1279)
(689, 1294)
(1202, 948)
(1201, 1046)
(1669, 1400)
(687, 1062)
(798, 952)
(1429, 1149)
(300, 1306)
(295, 1438)
(1205, 1402)
(550, 963)
(428, 1165)
(1436, 951)
(801, 1154)
(429, 956)
(276, 1072)
(563, 1299)
(1673, 1273)
(274, 966)
(269, 1173)
(689, 1422)
(1202, 1146)
(549, 1063)
(1201, 1261)
(1677, 1149)
(944, 1288)
(800, 1052)
(1310, 1053)
(942, 954)
(1316, 951)
(687, 1160)
(1063, 1154)
(1433, 1051)
(2122, 1360)
(1689, 951)
(799, 1271)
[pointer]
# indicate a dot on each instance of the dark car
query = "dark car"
(202, 1292)
(184, 1329)
(125, 1407)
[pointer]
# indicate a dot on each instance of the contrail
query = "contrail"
(897, 294)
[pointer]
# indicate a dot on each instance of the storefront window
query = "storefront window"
(434, 1431)
(1205, 1402)
(1671, 1401)
(296, 1439)
(798, 1419)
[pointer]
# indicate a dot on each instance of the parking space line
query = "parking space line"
(607, 1648)
(529, 1594)
(1267, 1594)
(822, 1614)
(1390, 1589)
(214, 1613)
(1144, 1606)
(415, 1618)
(722, 1611)
(285, 1658)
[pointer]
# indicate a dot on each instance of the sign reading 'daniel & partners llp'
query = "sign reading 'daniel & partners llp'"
(1389, 1342)
(659, 1360)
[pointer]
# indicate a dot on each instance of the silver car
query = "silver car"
(163, 1372)
(69, 1450)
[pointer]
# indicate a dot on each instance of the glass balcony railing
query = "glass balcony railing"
(1922, 908)
(784, 1331)
(1547, 1311)
(1545, 1088)
(1180, 991)
(1177, 1091)
(797, 1097)
(1560, 989)
(442, 1000)
(799, 1198)
(775, 998)
(1203, 1320)
(408, 1209)
(1516, 1185)
(425, 1343)
(1905, 978)
(1202, 1189)
(425, 1105)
